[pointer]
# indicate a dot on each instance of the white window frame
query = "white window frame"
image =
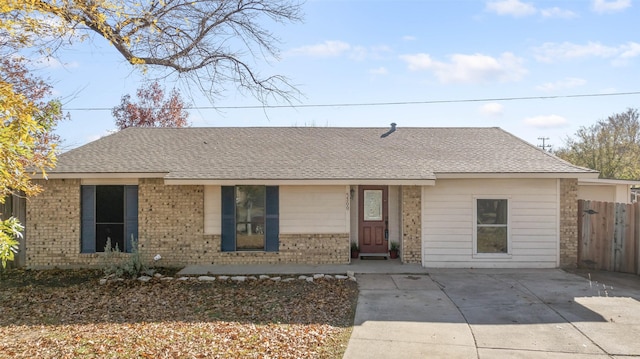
(475, 228)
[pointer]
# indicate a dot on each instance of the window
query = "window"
(250, 220)
(109, 213)
(492, 226)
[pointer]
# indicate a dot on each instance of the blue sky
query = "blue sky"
(367, 52)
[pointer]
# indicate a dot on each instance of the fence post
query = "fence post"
(617, 254)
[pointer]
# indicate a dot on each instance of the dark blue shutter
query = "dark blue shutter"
(88, 215)
(228, 197)
(130, 216)
(272, 230)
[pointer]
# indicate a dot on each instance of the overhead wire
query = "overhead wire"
(367, 104)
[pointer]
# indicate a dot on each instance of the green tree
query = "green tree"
(611, 146)
(10, 231)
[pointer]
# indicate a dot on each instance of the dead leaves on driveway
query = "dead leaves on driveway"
(176, 319)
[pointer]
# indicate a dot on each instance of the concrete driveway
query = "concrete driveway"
(496, 314)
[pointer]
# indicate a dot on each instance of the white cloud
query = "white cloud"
(418, 61)
(335, 48)
(604, 6)
(551, 52)
(491, 109)
(360, 53)
(409, 38)
(326, 49)
(556, 12)
(476, 68)
(514, 8)
(569, 82)
(547, 121)
(517, 8)
(629, 50)
(379, 71)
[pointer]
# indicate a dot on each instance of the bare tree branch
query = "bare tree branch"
(212, 42)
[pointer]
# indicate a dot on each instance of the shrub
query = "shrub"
(118, 264)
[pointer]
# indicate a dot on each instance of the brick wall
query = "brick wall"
(170, 223)
(568, 223)
(315, 248)
(411, 247)
(53, 226)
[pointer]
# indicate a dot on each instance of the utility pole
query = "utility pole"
(544, 145)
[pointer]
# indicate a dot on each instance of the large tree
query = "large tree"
(152, 109)
(611, 146)
(213, 42)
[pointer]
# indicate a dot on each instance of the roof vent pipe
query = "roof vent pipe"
(392, 130)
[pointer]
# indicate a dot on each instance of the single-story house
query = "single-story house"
(450, 197)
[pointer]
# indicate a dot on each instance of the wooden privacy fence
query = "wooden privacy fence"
(609, 236)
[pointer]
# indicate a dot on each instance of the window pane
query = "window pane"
(110, 204)
(250, 211)
(492, 211)
(111, 231)
(492, 239)
(373, 205)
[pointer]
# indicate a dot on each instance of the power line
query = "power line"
(365, 104)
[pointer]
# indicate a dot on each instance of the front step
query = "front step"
(377, 255)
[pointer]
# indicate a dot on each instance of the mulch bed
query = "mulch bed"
(68, 314)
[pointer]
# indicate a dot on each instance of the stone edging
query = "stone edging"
(238, 278)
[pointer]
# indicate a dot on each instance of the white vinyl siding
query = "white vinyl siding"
(448, 230)
(212, 210)
(314, 209)
(303, 209)
(605, 193)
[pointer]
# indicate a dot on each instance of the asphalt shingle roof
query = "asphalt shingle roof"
(310, 153)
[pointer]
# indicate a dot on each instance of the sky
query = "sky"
(537, 69)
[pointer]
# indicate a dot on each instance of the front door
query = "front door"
(373, 219)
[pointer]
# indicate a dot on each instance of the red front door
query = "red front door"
(373, 219)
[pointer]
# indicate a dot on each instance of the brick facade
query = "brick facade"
(411, 246)
(53, 226)
(170, 223)
(568, 223)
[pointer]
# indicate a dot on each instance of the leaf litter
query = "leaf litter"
(68, 314)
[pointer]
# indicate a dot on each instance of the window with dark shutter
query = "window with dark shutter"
(109, 215)
(250, 218)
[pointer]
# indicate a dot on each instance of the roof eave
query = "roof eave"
(99, 175)
(475, 175)
(603, 181)
(299, 182)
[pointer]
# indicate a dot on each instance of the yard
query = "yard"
(68, 314)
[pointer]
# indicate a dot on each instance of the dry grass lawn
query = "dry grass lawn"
(68, 314)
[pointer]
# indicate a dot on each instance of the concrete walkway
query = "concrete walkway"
(496, 314)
